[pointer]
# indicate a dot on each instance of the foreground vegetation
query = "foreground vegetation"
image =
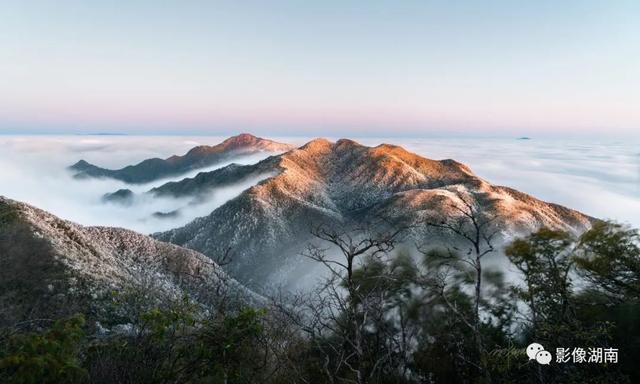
(382, 316)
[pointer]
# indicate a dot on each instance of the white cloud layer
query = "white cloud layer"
(33, 170)
(598, 178)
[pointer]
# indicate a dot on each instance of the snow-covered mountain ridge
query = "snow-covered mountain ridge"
(113, 258)
(198, 157)
(325, 182)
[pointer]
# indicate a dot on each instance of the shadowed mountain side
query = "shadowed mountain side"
(268, 225)
(121, 196)
(96, 260)
(206, 181)
(198, 157)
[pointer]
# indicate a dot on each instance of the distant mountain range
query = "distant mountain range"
(206, 181)
(198, 157)
(58, 258)
(331, 183)
(199, 186)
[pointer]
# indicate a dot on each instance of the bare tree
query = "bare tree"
(476, 233)
(341, 308)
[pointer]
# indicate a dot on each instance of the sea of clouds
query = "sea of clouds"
(33, 169)
(599, 178)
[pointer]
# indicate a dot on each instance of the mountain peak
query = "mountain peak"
(395, 150)
(348, 145)
(198, 157)
(318, 141)
(249, 141)
(80, 165)
(241, 139)
(316, 144)
(389, 147)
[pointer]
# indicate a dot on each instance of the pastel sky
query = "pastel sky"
(321, 67)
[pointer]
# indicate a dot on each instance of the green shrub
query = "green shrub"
(48, 357)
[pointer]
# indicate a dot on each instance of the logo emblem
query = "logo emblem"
(536, 352)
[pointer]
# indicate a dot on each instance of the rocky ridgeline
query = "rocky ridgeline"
(198, 157)
(107, 259)
(324, 182)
